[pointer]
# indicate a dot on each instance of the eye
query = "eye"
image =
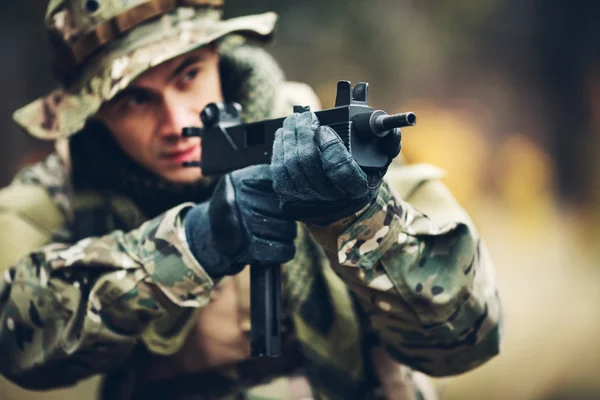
(190, 75)
(136, 100)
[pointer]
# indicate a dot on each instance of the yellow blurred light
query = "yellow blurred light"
(447, 140)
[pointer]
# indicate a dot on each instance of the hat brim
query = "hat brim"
(64, 112)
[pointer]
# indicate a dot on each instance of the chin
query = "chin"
(183, 175)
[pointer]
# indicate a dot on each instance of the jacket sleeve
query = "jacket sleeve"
(68, 312)
(423, 275)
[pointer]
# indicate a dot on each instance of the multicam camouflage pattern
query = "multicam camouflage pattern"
(72, 19)
(65, 111)
(114, 278)
(51, 174)
(412, 260)
(425, 282)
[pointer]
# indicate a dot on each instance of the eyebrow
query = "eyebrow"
(137, 90)
(191, 60)
(131, 91)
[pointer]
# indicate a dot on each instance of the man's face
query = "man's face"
(148, 116)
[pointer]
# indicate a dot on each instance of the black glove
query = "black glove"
(241, 224)
(316, 177)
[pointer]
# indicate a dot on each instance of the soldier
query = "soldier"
(119, 261)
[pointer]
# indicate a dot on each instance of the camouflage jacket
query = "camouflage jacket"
(413, 261)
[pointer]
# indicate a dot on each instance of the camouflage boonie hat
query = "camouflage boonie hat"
(102, 45)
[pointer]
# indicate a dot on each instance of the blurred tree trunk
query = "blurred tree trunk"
(568, 52)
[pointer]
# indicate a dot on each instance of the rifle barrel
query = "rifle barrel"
(398, 120)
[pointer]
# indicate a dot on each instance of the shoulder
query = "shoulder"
(406, 179)
(52, 171)
(39, 195)
(421, 185)
(29, 215)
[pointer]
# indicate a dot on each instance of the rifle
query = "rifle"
(228, 145)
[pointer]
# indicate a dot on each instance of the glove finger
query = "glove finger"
(291, 160)
(273, 229)
(254, 181)
(392, 143)
(264, 207)
(340, 168)
(259, 197)
(258, 187)
(282, 181)
(331, 147)
(311, 158)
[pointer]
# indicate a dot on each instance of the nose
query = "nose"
(176, 115)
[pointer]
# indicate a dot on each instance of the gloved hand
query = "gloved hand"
(241, 224)
(316, 177)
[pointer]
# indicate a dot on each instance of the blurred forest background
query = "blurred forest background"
(507, 94)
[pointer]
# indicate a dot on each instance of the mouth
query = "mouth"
(177, 157)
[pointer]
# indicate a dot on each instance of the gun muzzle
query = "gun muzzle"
(379, 123)
(388, 122)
